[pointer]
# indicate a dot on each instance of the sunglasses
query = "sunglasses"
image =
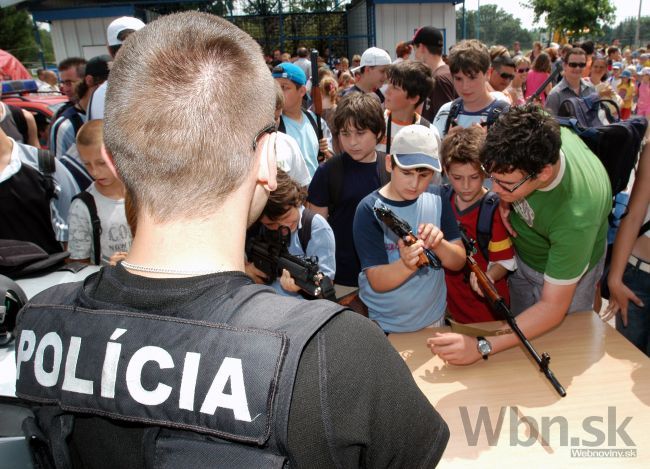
(577, 64)
(506, 76)
(523, 70)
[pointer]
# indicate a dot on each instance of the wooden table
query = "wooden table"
(607, 382)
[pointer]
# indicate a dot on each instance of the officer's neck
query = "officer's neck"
(213, 244)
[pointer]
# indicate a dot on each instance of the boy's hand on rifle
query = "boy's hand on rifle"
(324, 149)
(117, 257)
(287, 282)
(410, 254)
(430, 235)
(253, 272)
(474, 283)
(453, 348)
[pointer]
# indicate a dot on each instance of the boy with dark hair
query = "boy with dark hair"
(298, 122)
(400, 296)
(476, 212)
(469, 63)
(560, 197)
(285, 208)
(409, 84)
(339, 185)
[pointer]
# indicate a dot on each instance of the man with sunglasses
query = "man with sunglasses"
(572, 84)
(558, 197)
(502, 72)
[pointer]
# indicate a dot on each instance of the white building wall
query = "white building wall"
(80, 37)
(398, 22)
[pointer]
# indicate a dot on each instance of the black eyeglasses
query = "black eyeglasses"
(504, 185)
(506, 76)
(269, 129)
(523, 70)
(577, 64)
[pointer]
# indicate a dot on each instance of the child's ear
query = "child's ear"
(389, 166)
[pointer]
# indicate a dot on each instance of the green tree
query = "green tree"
(496, 26)
(574, 17)
(16, 33)
(625, 30)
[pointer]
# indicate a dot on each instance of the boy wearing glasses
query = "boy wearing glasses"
(469, 63)
(560, 198)
(572, 84)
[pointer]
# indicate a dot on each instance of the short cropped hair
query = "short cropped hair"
(287, 194)
(469, 56)
(361, 110)
(575, 51)
(414, 77)
(91, 133)
(73, 62)
(502, 61)
(183, 153)
(463, 147)
(525, 138)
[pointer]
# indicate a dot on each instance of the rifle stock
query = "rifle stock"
(317, 98)
(499, 305)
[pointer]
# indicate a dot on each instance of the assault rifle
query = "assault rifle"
(499, 305)
(269, 252)
(317, 99)
(403, 230)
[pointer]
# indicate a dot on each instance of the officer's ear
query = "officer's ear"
(266, 152)
(110, 162)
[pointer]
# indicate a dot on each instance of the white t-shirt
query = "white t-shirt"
(290, 159)
(115, 236)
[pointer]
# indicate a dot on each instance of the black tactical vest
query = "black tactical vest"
(227, 379)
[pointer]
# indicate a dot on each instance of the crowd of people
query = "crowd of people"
(162, 189)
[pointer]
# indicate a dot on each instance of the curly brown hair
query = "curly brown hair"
(287, 195)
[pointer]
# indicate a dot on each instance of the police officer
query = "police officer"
(174, 358)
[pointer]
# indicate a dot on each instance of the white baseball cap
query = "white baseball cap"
(117, 26)
(373, 57)
(416, 146)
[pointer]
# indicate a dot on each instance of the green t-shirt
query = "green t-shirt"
(562, 228)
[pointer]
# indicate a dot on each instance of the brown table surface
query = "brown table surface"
(607, 381)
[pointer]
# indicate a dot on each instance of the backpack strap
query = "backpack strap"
(382, 172)
(425, 123)
(497, 108)
(76, 122)
(304, 233)
(312, 121)
(47, 167)
(78, 171)
(334, 168)
(489, 204)
(454, 111)
(89, 201)
(282, 128)
(20, 121)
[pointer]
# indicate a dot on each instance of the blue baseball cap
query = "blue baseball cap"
(290, 72)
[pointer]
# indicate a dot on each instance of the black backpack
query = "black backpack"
(489, 203)
(89, 201)
(616, 145)
(20, 121)
(497, 107)
(586, 110)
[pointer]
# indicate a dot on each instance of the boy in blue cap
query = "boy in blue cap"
(297, 122)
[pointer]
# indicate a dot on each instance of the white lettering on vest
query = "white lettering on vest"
(188, 380)
(111, 359)
(45, 378)
(230, 369)
(26, 348)
(134, 375)
(70, 380)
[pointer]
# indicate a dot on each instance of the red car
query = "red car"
(24, 94)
